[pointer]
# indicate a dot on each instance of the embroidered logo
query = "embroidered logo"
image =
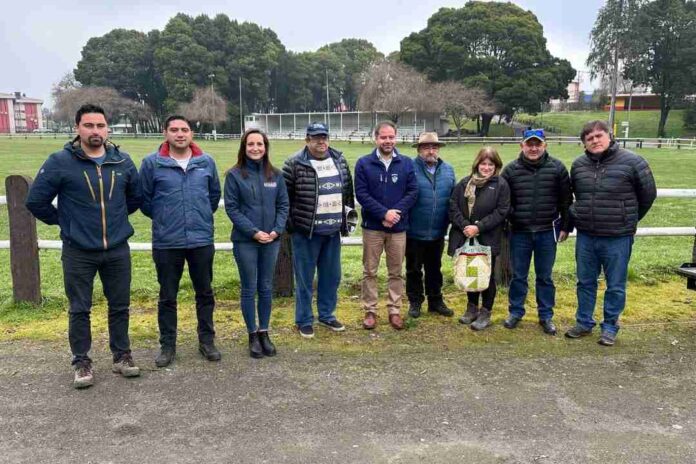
(270, 184)
(395, 178)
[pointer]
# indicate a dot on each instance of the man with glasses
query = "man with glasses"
(425, 237)
(320, 190)
(539, 198)
(614, 189)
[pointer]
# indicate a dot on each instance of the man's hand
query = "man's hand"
(393, 216)
(471, 231)
(262, 237)
(273, 235)
(387, 224)
(562, 236)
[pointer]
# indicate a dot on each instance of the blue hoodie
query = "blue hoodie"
(180, 203)
(378, 190)
(93, 201)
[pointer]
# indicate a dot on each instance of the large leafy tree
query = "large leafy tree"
(498, 47)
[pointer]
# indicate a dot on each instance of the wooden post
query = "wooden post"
(24, 248)
(283, 281)
(503, 266)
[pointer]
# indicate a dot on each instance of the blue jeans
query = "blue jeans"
(321, 252)
(522, 246)
(592, 254)
(256, 264)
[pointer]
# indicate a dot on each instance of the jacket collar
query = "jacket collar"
(164, 150)
(542, 160)
(113, 154)
(375, 156)
(304, 157)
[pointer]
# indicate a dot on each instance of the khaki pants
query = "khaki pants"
(374, 242)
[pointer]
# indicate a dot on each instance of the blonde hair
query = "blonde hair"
(487, 153)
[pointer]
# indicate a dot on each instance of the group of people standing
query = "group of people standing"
(407, 206)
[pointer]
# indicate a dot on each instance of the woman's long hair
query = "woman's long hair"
(268, 170)
(487, 153)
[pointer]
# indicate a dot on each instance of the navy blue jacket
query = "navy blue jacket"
(255, 204)
(180, 203)
(378, 190)
(93, 201)
(429, 217)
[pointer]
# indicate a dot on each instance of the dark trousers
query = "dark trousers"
(79, 270)
(424, 255)
(170, 266)
(256, 264)
(488, 295)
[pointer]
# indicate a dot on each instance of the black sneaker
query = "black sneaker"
(439, 307)
(209, 351)
(414, 309)
(511, 322)
(306, 331)
(333, 325)
(578, 331)
(607, 339)
(165, 356)
(548, 327)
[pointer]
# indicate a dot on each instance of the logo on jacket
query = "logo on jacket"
(270, 184)
(395, 178)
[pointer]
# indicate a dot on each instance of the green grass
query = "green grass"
(652, 284)
(643, 123)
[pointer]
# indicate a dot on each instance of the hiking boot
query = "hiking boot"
(267, 346)
(84, 375)
(125, 366)
(370, 321)
(333, 325)
(511, 322)
(414, 309)
(165, 356)
(483, 320)
(209, 351)
(472, 312)
(306, 331)
(439, 307)
(396, 322)
(255, 350)
(548, 327)
(577, 331)
(607, 339)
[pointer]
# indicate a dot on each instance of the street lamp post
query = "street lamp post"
(211, 76)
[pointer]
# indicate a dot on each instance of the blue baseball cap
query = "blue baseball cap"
(533, 134)
(317, 128)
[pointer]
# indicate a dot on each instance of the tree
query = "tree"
(394, 88)
(498, 47)
(206, 106)
(461, 103)
(115, 106)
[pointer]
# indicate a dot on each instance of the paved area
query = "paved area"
(430, 406)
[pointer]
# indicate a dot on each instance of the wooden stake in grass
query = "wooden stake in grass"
(24, 248)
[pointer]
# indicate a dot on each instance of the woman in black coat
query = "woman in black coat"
(478, 207)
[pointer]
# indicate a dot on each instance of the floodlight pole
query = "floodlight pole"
(211, 76)
(241, 115)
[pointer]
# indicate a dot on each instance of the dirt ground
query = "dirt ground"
(620, 405)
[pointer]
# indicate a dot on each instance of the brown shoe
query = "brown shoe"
(370, 321)
(396, 321)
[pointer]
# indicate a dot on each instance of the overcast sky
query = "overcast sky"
(41, 41)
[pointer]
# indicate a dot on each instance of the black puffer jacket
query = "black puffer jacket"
(490, 210)
(301, 181)
(539, 192)
(613, 191)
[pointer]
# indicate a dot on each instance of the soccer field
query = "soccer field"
(652, 261)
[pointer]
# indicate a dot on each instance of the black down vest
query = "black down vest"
(613, 191)
(301, 181)
(539, 193)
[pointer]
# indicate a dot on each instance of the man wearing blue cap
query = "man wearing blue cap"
(320, 189)
(539, 197)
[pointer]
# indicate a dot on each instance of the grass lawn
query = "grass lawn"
(655, 294)
(643, 123)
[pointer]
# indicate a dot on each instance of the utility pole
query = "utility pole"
(615, 76)
(241, 114)
(328, 121)
(211, 76)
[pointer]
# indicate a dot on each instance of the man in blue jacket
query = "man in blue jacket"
(429, 219)
(386, 188)
(181, 192)
(97, 188)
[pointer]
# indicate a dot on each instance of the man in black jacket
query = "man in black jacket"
(540, 197)
(614, 189)
(320, 190)
(97, 188)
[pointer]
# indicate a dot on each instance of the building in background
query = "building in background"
(18, 114)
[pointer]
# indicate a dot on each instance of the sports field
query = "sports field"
(652, 283)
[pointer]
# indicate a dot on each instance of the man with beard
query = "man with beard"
(97, 188)
(181, 192)
(425, 238)
(386, 188)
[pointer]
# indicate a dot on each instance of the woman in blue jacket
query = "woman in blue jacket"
(256, 201)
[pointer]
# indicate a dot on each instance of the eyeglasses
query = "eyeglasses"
(533, 133)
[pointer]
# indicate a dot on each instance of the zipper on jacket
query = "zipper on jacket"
(89, 184)
(103, 206)
(113, 181)
(432, 213)
(535, 198)
(594, 194)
